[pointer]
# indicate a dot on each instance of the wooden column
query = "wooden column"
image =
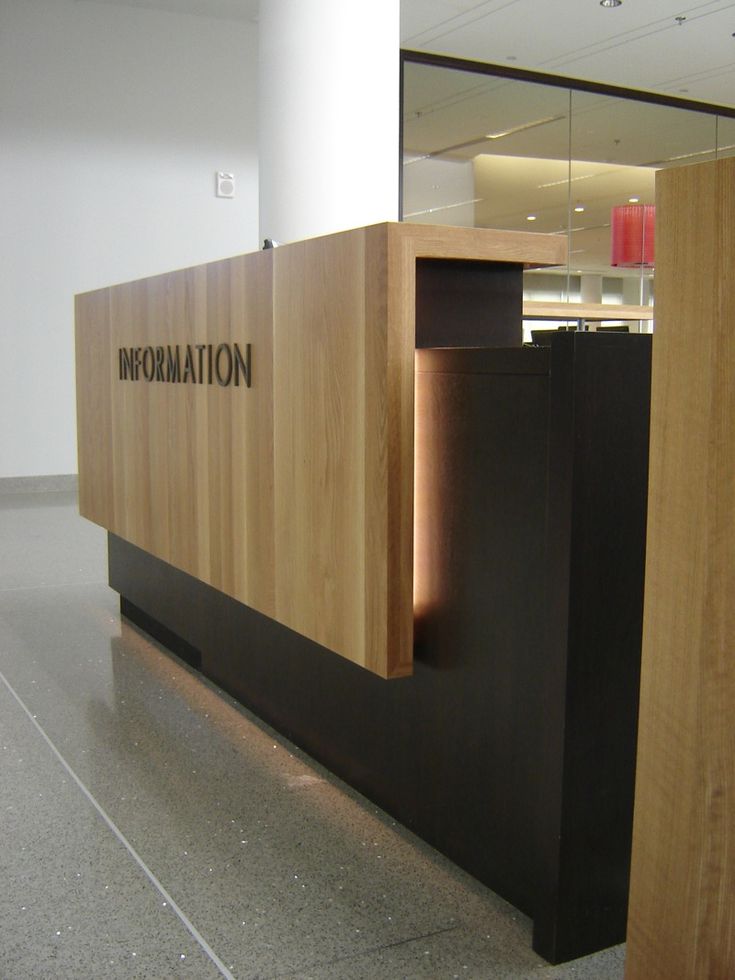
(682, 901)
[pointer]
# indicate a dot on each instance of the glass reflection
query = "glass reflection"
(486, 151)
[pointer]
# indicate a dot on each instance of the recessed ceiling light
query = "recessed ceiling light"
(610, 3)
(579, 208)
(530, 217)
(633, 200)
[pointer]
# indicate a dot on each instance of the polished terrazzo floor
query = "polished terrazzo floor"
(152, 828)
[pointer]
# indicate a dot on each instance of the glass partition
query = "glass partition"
(486, 150)
(725, 136)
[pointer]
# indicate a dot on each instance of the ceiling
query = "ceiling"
(641, 44)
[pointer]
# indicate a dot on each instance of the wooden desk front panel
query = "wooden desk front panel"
(278, 495)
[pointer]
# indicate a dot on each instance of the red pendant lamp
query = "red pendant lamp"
(633, 235)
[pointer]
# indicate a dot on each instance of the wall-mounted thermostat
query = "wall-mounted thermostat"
(225, 184)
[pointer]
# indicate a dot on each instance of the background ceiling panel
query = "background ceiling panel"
(663, 60)
(422, 20)
(639, 44)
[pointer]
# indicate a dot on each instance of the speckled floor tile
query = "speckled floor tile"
(286, 872)
(73, 903)
(459, 953)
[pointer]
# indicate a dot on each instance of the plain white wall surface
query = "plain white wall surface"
(113, 122)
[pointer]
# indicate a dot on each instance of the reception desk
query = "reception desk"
(414, 546)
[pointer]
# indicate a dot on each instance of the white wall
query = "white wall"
(113, 121)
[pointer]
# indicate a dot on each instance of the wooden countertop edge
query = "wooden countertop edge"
(586, 311)
(481, 244)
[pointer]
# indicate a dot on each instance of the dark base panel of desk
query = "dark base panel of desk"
(512, 747)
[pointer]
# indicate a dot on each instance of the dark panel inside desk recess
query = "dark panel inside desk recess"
(496, 751)
(480, 601)
(462, 303)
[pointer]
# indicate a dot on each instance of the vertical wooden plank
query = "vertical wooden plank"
(183, 502)
(94, 408)
(156, 470)
(222, 423)
(130, 417)
(682, 913)
(252, 449)
(375, 368)
(198, 410)
(319, 436)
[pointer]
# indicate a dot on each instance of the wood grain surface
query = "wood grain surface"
(682, 900)
(294, 496)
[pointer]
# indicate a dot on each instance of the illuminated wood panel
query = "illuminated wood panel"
(682, 914)
(293, 495)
